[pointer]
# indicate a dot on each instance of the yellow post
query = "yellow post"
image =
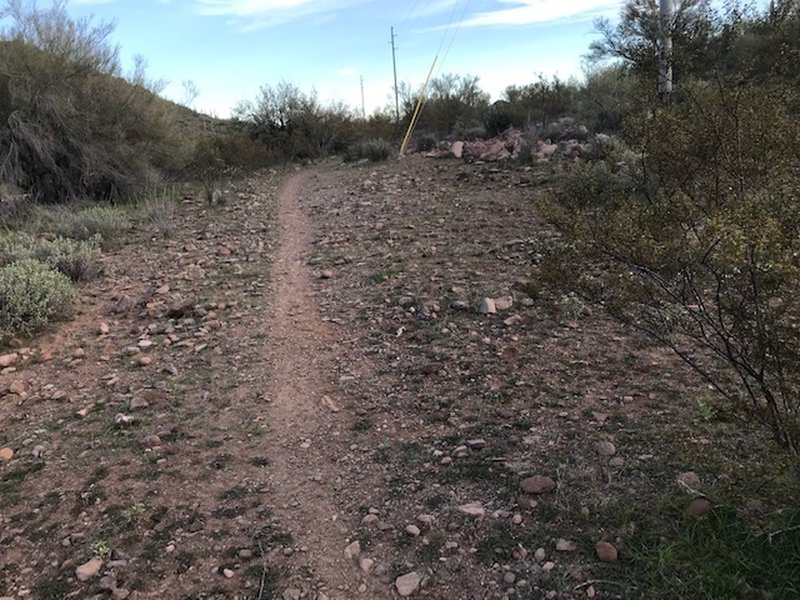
(418, 108)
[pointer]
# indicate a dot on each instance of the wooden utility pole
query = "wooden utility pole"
(665, 49)
(394, 68)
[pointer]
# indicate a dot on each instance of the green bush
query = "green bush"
(697, 246)
(31, 296)
(87, 223)
(374, 150)
(426, 143)
(77, 259)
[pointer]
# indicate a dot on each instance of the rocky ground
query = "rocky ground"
(334, 385)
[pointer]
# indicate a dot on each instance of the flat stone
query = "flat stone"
(503, 303)
(6, 360)
(699, 507)
(353, 550)
(605, 552)
(605, 448)
(563, 545)
(6, 454)
(487, 307)
(407, 584)
(89, 569)
(538, 484)
(366, 564)
(413, 530)
(473, 509)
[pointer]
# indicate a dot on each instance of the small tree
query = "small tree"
(699, 244)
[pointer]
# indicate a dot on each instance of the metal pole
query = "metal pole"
(665, 49)
(396, 93)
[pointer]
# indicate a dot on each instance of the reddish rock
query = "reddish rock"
(699, 507)
(538, 484)
(606, 552)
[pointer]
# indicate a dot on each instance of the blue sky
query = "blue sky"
(229, 48)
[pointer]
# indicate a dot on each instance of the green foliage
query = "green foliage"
(31, 295)
(697, 245)
(426, 142)
(374, 150)
(294, 125)
(452, 102)
(77, 259)
(719, 555)
(88, 223)
(73, 127)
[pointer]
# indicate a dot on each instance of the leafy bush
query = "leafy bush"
(107, 222)
(698, 246)
(77, 259)
(32, 295)
(374, 150)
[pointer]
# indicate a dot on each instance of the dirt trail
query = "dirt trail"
(308, 431)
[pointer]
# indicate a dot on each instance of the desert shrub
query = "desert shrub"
(77, 259)
(374, 150)
(698, 247)
(73, 126)
(31, 295)
(107, 222)
(16, 207)
(159, 210)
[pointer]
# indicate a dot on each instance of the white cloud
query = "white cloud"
(273, 12)
(525, 12)
(347, 72)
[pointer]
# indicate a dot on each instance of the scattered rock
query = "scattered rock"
(7, 360)
(103, 329)
(509, 577)
(353, 550)
(617, 461)
(605, 552)
(407, 584)
(291, 594)
(228, 573)
(513, 321)
(473, 509)
(151, 441)
(426, 519)
(699, 507)
(605, 448)
(326, 274)
(89, 569)
(370, 519)
(503, 303)
(366, 564)
(563, 545)
(487, 307)
(6, 454)
(413, 530)
(476, 444)
(689, 479)
(538, 484)
(540, 554)
(180, 309)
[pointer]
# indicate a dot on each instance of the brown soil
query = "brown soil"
(307, 355)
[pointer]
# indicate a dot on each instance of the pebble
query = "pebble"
(689, 479)
(6, 360)
(540, 554)
(353, 550)
(517, 519)
(605, 448)
(473, 509)
(605, 552)
(6, 454)
(228, 573)
(366, 564)
(245, 554)
(476, 444)
(413, 530)
(89, 569)
(699, 507)
(538, 484)
(370, 519)
(509, 577)
(548, 566)
(291, 594)
(617, 461)
(563, 545)
(487, 307)
(407, 584)
(426, 519)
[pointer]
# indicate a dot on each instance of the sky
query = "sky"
(230, 48)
